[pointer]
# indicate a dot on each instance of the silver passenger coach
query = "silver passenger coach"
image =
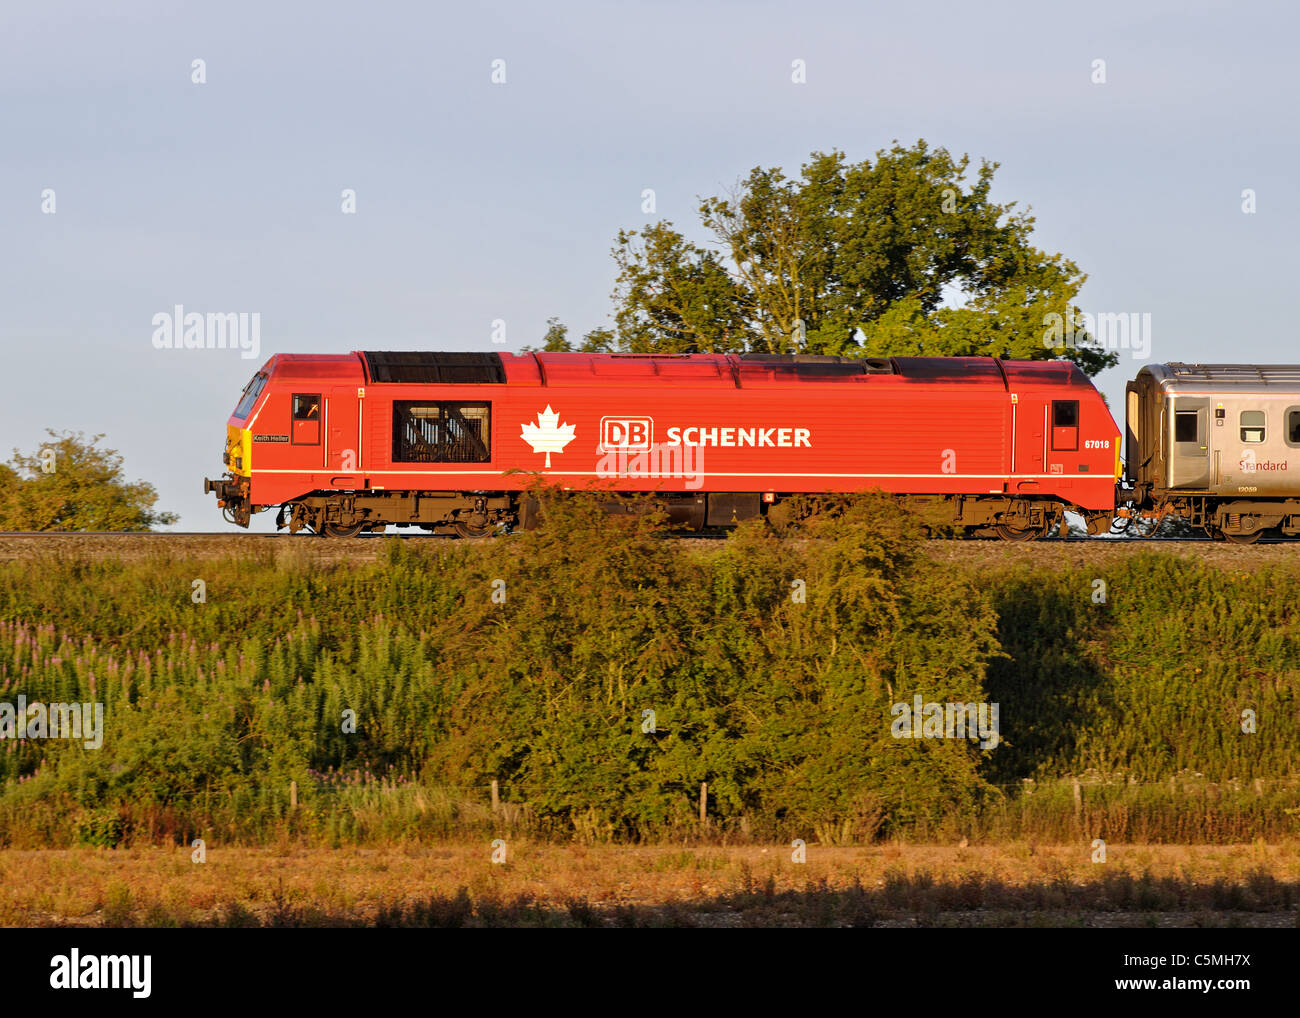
(1217, 444)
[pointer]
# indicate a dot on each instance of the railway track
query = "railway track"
(159, 535)
(441, 538)
(170, 535)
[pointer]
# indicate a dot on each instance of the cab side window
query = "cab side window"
(1065, 424)
(304, 428)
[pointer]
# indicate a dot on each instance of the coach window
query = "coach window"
(1065, 425)
(1252, 426)
(1185, 425)
(450, 432)
(306, 418)
(1293, 425)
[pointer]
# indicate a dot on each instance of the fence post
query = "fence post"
(704, 803)
(293, 795)
(1078, 800)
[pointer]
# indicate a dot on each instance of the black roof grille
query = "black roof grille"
(435, 368)
(814, 365)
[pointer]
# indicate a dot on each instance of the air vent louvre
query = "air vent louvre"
(819, 365)
(451, 368)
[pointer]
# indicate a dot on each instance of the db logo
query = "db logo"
(626, 434)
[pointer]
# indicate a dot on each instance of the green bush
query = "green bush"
(781, 704)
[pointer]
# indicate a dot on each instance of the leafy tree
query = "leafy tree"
(72, 484)
(599, 341)
(556, 339)
(901, 256)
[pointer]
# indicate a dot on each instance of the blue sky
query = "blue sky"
(479, 201)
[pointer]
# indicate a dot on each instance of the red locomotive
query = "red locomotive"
(450, 442)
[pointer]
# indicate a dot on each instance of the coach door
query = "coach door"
(1189, 466)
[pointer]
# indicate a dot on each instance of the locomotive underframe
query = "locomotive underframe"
(473, 514)
(478, 513)
(345, 513)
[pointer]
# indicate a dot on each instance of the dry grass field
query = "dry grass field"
(892, 885)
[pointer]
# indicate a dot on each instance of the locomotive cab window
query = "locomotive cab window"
(441, 432)
(249, 396)
(1065, 424)
(305, 418)
(1252, 426)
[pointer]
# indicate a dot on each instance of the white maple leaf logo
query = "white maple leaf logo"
(548, 435)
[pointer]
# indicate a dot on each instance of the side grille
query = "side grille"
(434, 368)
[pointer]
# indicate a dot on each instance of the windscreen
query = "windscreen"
(251, 391)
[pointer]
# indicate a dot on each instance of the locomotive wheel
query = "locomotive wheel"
(1015, 535)
(466, 530)
(1242, 538)
(339, 530)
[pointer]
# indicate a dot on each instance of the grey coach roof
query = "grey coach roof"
(1286, 377)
